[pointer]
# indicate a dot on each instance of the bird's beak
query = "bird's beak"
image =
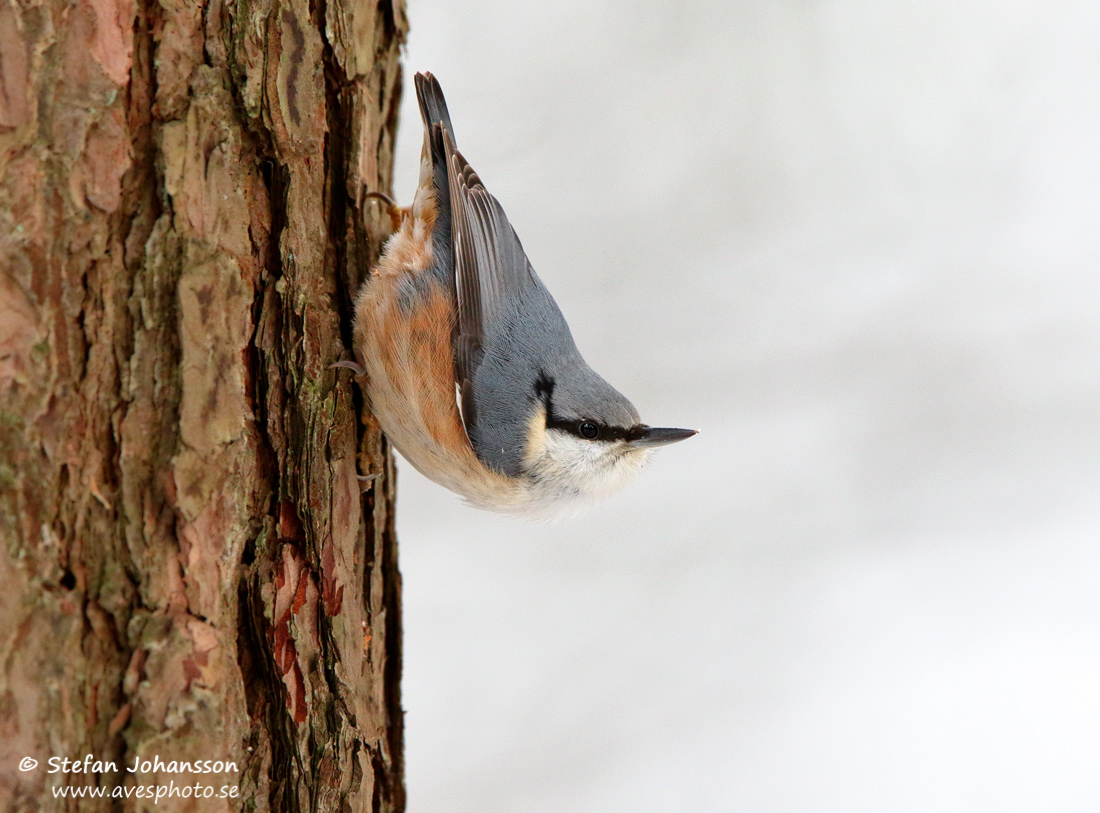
(653, 437)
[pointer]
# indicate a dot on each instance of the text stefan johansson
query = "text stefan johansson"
(156, 765)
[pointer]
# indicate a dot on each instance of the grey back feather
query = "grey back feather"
(510, 335)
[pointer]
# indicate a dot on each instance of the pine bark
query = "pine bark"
(189, 569)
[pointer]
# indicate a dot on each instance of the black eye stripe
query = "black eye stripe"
(603, 431)
(544, 388)
(544, 391)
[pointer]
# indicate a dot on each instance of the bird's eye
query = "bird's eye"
(589, 430)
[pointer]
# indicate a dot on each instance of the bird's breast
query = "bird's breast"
(404, 322)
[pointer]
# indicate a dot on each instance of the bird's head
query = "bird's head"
(585, 439)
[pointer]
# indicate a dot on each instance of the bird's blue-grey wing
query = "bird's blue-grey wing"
(492, 273)
(499, 300)
(512, 345)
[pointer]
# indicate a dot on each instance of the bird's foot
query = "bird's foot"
(349, 365)
(395, 212)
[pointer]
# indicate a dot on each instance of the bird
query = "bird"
(470, 366)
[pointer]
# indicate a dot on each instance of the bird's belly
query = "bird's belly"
(404, 319)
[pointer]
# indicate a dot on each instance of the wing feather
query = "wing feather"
(490, 267)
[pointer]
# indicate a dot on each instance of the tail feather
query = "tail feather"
(433, 110)
(437, 119)
(433, 107)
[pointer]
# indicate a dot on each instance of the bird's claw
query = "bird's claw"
(382, 196)
(350, 365)
(394, 211)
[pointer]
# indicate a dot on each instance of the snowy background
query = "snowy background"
(857, 244)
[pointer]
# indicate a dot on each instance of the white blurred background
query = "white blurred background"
(857, 244)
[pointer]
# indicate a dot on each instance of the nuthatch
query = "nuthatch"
(472, 371)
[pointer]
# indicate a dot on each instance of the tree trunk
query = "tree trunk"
(189, 570)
